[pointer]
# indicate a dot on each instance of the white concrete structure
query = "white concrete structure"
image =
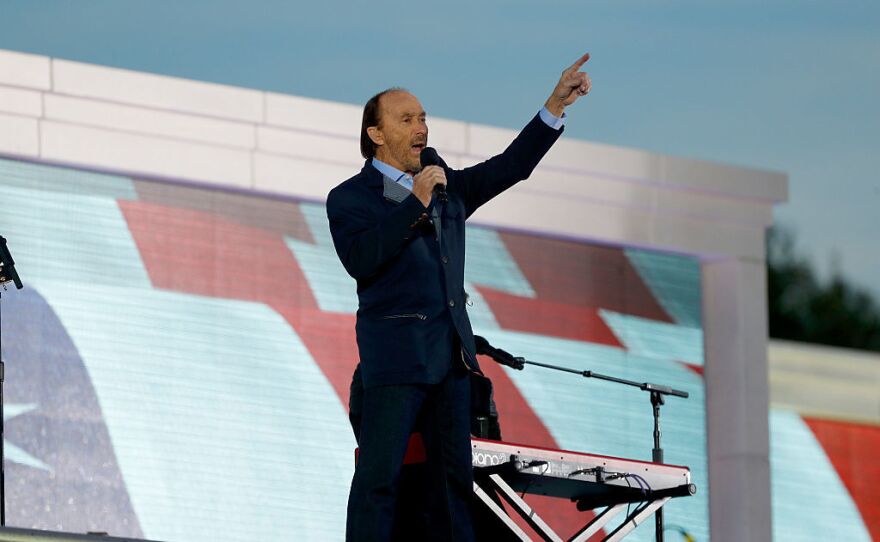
(825, 382)
(62, 112)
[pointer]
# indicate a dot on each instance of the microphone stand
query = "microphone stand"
(657, 394)
(7, 274)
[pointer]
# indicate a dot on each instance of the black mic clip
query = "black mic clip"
(517, 363)
(499, 355)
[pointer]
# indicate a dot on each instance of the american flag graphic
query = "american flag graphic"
(178, 366)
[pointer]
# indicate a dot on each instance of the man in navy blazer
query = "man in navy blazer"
(405, 247)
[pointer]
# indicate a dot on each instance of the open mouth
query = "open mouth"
(417, 148)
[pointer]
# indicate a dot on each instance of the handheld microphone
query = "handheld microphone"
(429, 157)
(499, 355)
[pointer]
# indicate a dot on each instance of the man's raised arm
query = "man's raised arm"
(482, 182)
(572, 85)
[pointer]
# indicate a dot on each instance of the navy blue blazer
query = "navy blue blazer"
(408, 261)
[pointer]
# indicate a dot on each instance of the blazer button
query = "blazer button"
(445, 259)
(451, 303)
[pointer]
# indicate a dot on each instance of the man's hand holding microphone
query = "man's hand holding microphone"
(425, 181)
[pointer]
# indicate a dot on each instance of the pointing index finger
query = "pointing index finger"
(580, 62)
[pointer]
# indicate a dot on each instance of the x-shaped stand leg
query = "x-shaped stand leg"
(524, 510)
(598, 523)
(547, 534)
(500, 514)
(637, 517)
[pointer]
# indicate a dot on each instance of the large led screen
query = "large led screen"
(178, 364)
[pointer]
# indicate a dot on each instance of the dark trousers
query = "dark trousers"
(389, 415)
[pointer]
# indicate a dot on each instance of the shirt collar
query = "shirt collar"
(400, 177)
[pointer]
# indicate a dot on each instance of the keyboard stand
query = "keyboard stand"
(492, 480)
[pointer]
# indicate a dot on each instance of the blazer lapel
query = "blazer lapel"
(393, 191)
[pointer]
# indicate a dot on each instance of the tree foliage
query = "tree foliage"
(803, 308)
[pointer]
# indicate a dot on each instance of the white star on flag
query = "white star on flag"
(14, 453)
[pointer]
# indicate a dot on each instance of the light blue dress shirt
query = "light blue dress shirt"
(405, 179)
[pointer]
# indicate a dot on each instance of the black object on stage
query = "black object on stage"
(7, 267)
(7, 274)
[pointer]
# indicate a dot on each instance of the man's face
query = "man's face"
(402, 132)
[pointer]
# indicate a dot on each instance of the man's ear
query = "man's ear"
(376, 135)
